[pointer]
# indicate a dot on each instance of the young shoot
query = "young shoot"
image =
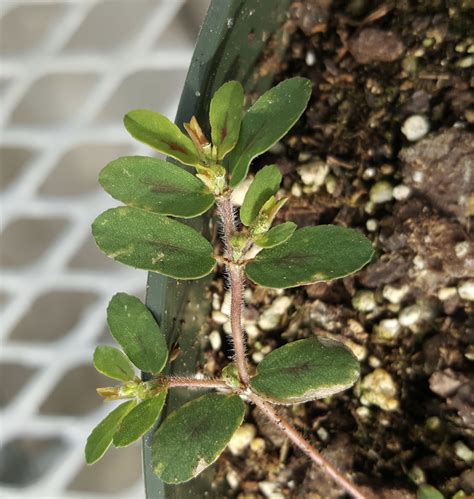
(146, 234)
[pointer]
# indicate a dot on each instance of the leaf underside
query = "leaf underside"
(101, 437)
(192, 437)
(310, 255)
(159, 132)
(155, 185)
(113, 363)
(265, 184)
(135, 329)
(139, 420)
(153, 242)
(305, 370)
(266, 122)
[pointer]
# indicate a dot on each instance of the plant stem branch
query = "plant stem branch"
(236, 283)
(299, 441)
(194, 383)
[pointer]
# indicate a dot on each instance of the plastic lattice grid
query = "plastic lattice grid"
(69, 71)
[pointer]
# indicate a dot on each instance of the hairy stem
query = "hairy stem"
(195, 383)
(236, 284)
(236, 281)
(299, 441)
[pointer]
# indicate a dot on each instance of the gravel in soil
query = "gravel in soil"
(385, 147)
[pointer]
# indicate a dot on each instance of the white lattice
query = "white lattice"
(50, 140)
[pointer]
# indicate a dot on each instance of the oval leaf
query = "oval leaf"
(225, 116)
(265, 123)
(153, 242)
(276, 235)
(113, 363)
(305, 370)
(265, 184)
(101, 437)
(155, 185)
(159, 132)
(192, 437)
(312, 254)
(136, 331)
(139, 420)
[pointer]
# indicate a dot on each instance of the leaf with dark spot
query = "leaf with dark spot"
(191, 438)
(305, 370)
(155, 185)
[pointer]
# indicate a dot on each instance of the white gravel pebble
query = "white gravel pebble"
(466, 290)
(401, 192)
(241, 438)
(381, 192)
(215, 340)
(395, 295)
(415, 127)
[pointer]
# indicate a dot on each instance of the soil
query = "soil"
(382, 73)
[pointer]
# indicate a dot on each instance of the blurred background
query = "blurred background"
(69, 71)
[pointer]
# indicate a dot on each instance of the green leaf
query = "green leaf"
(135, 329)
(101, 437)
(305, 370)
(426, 491)
(139, 420)
(276, 235)
(159, 132)
(155, 185)
(312, 254)
(225, 116)
(266, 122)
(113, 363)
(192, 437)
(265, 184)
(153, 242)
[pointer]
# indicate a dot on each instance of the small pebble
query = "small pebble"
(215, 340)
(447, 293)
(225, 306)
(364, 301)
(233, 479)
(358, 350)
(258, 445)
(310, 58)
(464, 452)
(252, 331)
(401, 192)
(410, 315)
(218, 317)
(433, 423)
(387, 330)
(395, 295)
(461, 249)
(322, 434)
(313, 174)
(378, 388)
(257, 357)
(374, 362)
(417, 475)
(381, 192)
(296, 190)
(241, 439)
(363, 412)
(271, 490)
(369, 173)
(466, 290)
(371, 224)
(465, 62)
(271, 317)
(415, 127)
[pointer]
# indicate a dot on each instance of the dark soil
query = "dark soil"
(408, 315)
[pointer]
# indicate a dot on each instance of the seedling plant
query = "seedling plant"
(145, 234)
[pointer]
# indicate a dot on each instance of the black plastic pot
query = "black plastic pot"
(235, 39)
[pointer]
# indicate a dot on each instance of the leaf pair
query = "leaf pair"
(160, 133)
(125, 424)
(135, 329)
